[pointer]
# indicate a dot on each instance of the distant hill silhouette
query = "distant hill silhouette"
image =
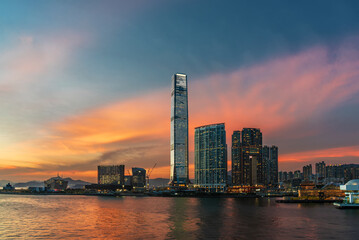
(76, 184)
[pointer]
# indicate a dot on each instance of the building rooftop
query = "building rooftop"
(209, 125)
(354, 182)
(352, 185)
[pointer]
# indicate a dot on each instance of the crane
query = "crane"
(149, 171)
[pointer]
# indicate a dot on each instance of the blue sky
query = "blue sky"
(64, 60)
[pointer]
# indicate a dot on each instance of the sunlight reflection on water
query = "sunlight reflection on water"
(90, 217)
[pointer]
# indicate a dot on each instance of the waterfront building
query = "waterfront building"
(307, 172)
(236, 158)
(9, 187)
(273, 165)
(251, 157)
(138, 177)
(128, 181)
(179, 131)
(56, 184)
(211, 157)
(270, 165)
(111, 174)
(351, 199)
(320, 171)
(308, 190)
(251, 169)
(266, 164)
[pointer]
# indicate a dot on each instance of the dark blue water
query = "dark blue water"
(90, 217)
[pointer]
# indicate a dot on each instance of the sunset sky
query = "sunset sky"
(84, 83)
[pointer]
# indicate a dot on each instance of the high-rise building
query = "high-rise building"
(138, 177)
(307, 172)
(179, 131)
(210, 157)
(251, 157)
(320, 170)
(270, 165)
(266, 164)
(247, 165)
(112, 174)
(236, 158)
(273, 171)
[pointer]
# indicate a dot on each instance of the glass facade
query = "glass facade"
(236, 158)
(273, 178)
(179, 131)
(248, 158)
(270, 165)
(211, 157)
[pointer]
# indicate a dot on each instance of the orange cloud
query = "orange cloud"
(271, 96)
(352, 151)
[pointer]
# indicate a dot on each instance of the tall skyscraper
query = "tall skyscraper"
(270, 165)
(307, 172)
(273, 165)
(236, 158)
(249, 158)
(320, 170)
(210, 150)
(179, 131)
(266, 164)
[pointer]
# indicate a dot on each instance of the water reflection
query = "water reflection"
(84, 217)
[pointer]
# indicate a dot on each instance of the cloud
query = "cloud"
(32, 57)
(273, 95)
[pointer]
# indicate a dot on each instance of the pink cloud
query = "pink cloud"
(271, 96)
(31, 58)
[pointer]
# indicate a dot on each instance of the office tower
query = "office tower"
(270, 164)
(307, 172)
(320, 170)
(266, 165)
(179, 131)
(251, 157)
(210, 157)
(236, 158)
(273, 172)
(138, 177)
(113, 174)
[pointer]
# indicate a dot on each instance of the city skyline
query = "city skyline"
(77, 91)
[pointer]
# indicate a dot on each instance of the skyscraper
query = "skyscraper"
(236, 158)
(320, 170)
(273, 165)
(210, 157)
(179, 131)
(266, 164)
(250, 158)
(307, 172)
